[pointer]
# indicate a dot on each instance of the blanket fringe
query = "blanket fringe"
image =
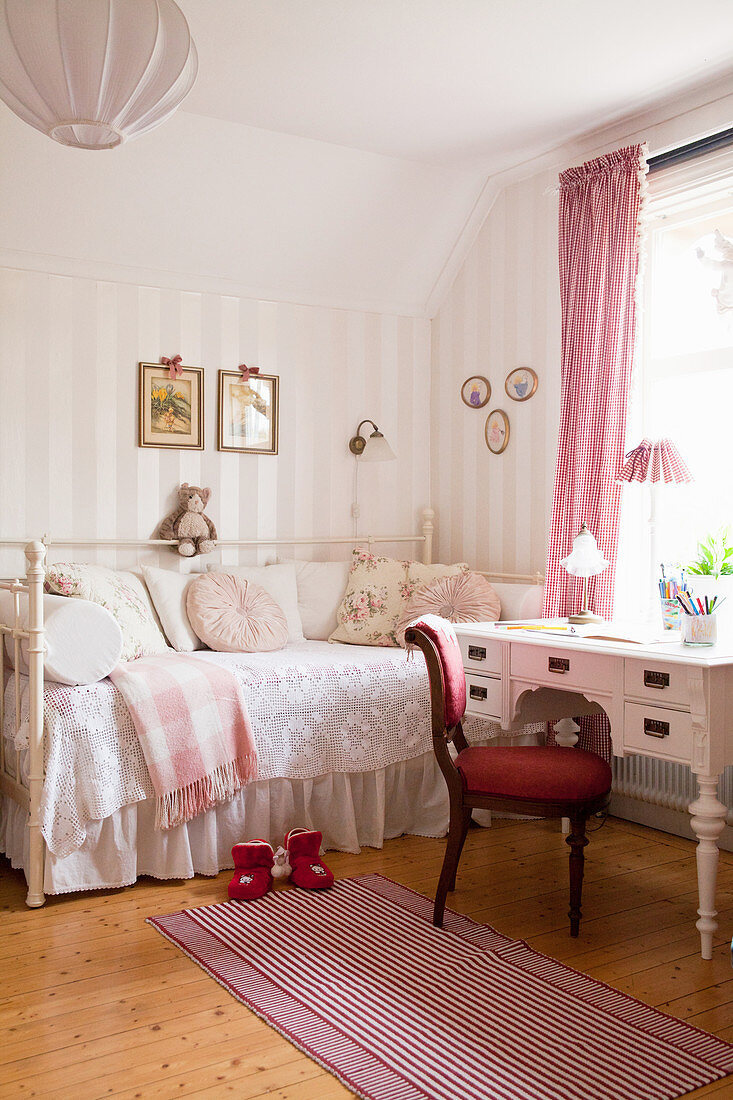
(176, 807)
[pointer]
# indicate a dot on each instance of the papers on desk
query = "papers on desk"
(633, 633)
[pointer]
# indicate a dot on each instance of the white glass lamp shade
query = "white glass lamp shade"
(93, 73)
(377, 449)
(585, 560)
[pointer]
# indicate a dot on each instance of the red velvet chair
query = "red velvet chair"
(540, 781)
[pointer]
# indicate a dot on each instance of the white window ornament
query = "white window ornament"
(93, 73)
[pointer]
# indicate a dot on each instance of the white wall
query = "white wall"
(69, 349)
(200, 203)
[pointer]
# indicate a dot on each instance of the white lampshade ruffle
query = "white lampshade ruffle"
(585, 560)
(93, 73)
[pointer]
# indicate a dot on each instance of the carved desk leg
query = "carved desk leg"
(708, 819)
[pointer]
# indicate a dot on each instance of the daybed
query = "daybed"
(344, 743)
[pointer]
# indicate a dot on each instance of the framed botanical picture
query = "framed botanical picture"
(497, 431)
(171, 410)
(476, 391)
(520, 384)
(248, 413)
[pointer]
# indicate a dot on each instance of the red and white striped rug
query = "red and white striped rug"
(359, 979)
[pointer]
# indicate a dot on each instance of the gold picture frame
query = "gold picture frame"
(521, 383)
(496, 431)
(248, 413)
(476, 391)
(170, 410)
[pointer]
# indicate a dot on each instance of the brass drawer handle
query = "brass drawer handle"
(477, 692)
(654, 728)
(558, 664)
(654, 679)
(476, 653)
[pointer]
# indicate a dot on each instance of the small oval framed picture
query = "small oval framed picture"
(521, 384)
(497, 431)
(476, 391)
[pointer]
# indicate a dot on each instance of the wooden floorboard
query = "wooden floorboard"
(94, 1003)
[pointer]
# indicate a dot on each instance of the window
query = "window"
(683, 388)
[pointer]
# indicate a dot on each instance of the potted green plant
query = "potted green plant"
(711, 572)
(714, 556)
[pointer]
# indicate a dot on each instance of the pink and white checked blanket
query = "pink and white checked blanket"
(194, 731)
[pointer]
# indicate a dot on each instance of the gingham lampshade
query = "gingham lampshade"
(656, 462)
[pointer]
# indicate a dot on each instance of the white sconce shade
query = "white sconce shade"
(93, 73)
(377, 449)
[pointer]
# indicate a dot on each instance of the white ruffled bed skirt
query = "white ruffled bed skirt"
(351, 810)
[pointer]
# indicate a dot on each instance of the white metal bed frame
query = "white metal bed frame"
(35, 553)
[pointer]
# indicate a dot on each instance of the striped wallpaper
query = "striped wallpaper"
(69, 460)
(502, 312)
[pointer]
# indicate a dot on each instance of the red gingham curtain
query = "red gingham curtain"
(600, 207)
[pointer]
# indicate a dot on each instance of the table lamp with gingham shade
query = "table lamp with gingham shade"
(655, 463)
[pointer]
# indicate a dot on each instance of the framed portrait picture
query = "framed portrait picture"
(496, 431)
(476, 391)
(171, 410)
(520, 384)
(248, 413)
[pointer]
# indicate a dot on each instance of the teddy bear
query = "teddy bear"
(195, 532)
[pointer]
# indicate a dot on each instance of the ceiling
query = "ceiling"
(450, 82)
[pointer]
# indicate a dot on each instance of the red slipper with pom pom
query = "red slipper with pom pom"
(253, 870)
(308, 869)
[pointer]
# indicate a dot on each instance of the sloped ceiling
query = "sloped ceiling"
(333, 151)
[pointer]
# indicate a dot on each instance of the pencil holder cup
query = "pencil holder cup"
(699, 630)
(670, 614)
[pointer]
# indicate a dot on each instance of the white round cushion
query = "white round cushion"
(82, 641)
(232, 615)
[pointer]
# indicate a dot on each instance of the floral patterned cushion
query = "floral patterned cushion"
(141, 636)
(377, 593)
(373, 601)
(419, 574)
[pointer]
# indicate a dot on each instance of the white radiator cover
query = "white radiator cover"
(657, 793)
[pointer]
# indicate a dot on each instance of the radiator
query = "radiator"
(656, 783)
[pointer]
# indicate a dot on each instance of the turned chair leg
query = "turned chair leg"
(577, 841)
(459, 822)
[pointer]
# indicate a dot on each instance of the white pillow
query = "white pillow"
(321, 587)
(83, 642)
(279, 582)
(168, 590)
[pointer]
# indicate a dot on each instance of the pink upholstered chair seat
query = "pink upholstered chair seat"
(535, 773)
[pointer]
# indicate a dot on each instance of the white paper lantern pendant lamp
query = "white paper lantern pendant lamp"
(94, 73)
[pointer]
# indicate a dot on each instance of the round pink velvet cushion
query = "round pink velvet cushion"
(233, 615)
(465, 598)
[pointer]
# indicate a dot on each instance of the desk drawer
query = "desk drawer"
(480, 653)
(483, 696)
(657, 682)
(658, 732)
(562, 668)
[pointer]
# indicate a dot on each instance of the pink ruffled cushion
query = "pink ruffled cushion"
(232, 615)
(466, 598)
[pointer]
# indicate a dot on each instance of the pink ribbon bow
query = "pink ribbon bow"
(247, 371)
(176, 370)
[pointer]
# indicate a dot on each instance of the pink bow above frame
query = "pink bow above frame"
(174, 365)
(247, 371)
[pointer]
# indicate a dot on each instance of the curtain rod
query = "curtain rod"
(694, 149)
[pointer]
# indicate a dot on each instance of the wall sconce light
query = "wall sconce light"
(374, 449)
(585, 560)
